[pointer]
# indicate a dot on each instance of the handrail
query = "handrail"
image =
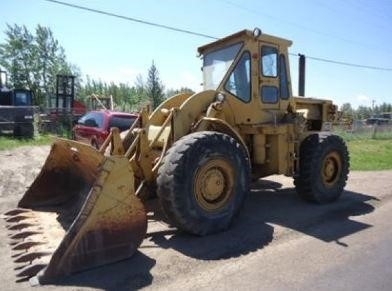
(132, 146)
(105, 144)
(162, 128)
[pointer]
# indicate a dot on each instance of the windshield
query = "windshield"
(217, 63)
(92, 119)
(121, 122)
(22, 98)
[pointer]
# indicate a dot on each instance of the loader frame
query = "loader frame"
(197, 152)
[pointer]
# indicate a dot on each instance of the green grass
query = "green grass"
(9, 143)
(370, 154)
(369, 149)
(366, 154)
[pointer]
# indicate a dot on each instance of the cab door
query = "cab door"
(269, 79)
(273, 86)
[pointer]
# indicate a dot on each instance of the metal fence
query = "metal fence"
(359, 130)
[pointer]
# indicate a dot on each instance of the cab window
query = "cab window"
(284, 87)
(269, 61)
(217, 63)
(239, 83)
(121, 122)
(269, 94)
(21, 99)
(92, 119)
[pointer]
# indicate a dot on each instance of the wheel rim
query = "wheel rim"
(214, 185)
(331, 169)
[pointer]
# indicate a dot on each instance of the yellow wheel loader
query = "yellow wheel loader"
(198, 153)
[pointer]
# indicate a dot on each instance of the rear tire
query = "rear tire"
(323, 169)
(203, 181)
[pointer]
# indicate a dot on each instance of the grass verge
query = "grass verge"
(365, 154)
(9, 143)
(370, 154)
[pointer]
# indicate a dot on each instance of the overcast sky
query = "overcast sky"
(112, 49)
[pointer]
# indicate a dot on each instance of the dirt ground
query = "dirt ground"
(18, 168)
(169, 259)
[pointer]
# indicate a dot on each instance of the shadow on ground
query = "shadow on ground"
(130, 274)
(268, 204)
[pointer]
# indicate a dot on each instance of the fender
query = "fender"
(160, 113)
(215, 124)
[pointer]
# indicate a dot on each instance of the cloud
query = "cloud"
(363, 98)
(359, 100)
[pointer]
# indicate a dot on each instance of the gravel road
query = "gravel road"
(254, 254)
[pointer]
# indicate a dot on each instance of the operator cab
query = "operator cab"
(251, 70)
(16, 97)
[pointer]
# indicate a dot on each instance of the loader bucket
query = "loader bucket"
(80, 212)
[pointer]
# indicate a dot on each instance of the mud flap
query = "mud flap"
(79, 213)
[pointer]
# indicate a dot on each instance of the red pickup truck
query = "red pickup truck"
(93, 127)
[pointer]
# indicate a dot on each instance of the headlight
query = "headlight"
(220, 97)
(256, 32)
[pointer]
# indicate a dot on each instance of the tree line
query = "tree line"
(33, 59)
(364, 112)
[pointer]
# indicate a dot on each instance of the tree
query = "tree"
(363, 112)
(126, 98)
(154, 87)
(34, 60)
(172, 92)
(141, 92)
(385, 107)
(17, 54)
(50, 60)
(346, 109)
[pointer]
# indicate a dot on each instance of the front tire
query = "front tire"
(203, 181)
(323, 169)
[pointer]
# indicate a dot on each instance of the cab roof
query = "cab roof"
(244, 35)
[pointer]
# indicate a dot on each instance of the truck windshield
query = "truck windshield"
(217, 63)
(22, 98)
(92, 119)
